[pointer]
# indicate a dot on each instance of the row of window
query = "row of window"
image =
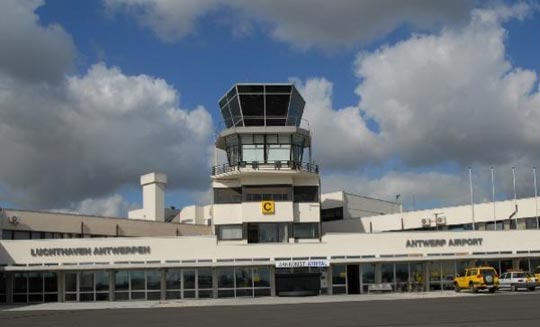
(90, 286)
(35, 287)
(33, 235)
(507, 224)
(263, 148)
(263, 193)
(267, 232)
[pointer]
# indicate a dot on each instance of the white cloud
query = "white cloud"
(95, 133)
(451, 97)
(171, 20)
(31, 51)
(428, 188)
(341, 138)
(111, 206)
(302, 23)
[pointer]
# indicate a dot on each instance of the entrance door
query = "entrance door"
(353, 279)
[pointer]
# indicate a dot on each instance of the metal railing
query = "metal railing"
(255, 165)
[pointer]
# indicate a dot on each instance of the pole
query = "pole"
(472, 198)
(514, 180)
(493, 198)
(536, 198)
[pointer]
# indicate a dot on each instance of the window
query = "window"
(229, 232)
(278, 152)
(35, 287)
(274, 193)
(332, 214)
(253, 152)
(306, 230)
(7, 235)
(3, 288)
(306, 194)
(243, 281)
(174, 284)
(339, 279)
(267, 233)
(228, 195)
(205, 283)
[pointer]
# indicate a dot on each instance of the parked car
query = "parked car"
(478, 278)
(537, 275)
(517, 279)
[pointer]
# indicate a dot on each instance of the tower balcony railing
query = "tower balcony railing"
(265, 166)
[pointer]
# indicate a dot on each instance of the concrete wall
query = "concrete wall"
(92, 225)
(357, 247)
(286, 211)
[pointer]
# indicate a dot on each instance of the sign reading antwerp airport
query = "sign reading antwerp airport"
(453, 242)
(302, 263)
(89, 251)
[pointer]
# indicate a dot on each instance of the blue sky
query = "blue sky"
(344, 80)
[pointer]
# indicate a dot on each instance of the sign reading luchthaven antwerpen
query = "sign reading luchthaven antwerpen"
(302, 263)
(453, 242)
(89, 251)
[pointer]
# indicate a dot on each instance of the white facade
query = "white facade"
(356, 206)
(518, 213)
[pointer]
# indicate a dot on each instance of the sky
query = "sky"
(402, 97)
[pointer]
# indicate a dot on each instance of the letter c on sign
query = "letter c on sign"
(267, 207)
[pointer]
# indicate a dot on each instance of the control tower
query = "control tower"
(268, 191)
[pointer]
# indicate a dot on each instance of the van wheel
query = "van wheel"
(532, 289)
(492, 290)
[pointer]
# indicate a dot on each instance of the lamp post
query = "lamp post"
(472, 198)
(493, 198)
(536, 198)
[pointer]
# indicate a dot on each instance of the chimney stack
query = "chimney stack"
(153, 189)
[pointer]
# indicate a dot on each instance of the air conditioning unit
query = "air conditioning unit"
(440, 221)
(13, 219)
(426, 222)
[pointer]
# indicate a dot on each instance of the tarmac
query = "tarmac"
(58, 306)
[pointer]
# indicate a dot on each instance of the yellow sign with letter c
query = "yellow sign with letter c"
(267, 207)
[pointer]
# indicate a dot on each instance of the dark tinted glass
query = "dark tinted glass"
(250, 88)
(332, 214)
(306, 194)
(235, 111)
(296, 109)
(310, 230)
(228, 195)
(277, 105)
(231, 93)
(226, 116)
(223, 101)
(278, 88)
(205, 278)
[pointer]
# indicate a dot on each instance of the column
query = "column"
(163, 284)
(60, 281)
(272, 281)
(214, 283)
(9, 288)
(378, 273)
(330, 280)
(111, 285)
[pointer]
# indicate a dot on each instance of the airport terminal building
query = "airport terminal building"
(268, 232)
